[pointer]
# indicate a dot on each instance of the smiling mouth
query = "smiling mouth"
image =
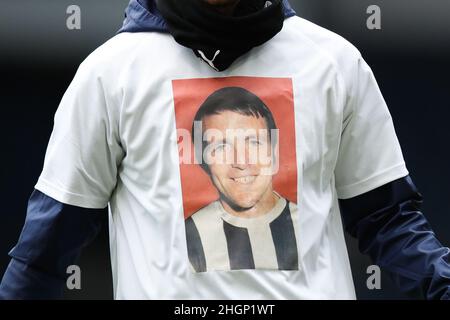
(244, 180)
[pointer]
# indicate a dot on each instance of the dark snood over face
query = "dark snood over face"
(224, 6)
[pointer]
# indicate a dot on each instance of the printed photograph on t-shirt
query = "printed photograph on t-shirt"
(238, 168)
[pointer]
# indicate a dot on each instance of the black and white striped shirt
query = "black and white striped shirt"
(217, 240)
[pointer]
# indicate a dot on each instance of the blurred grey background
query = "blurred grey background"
(34, 30)
(410, 57)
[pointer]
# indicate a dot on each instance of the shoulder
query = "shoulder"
(321, 39)
(292, 206)
(331, 47)
(207, 213)
(121, 52)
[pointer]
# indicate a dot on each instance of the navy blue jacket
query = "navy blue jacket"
(386, 221)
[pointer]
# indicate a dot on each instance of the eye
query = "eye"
(219, 147)
(254, 142)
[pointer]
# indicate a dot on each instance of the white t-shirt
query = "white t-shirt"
(114, 144)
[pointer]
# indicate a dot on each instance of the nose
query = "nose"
(240, 159)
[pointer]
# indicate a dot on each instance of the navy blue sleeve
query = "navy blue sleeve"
(392, 230)
(52, 239)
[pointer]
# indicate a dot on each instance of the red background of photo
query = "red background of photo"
(276, 93)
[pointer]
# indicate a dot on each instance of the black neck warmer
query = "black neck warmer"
(219, 39)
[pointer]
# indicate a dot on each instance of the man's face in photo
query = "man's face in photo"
(239, 158)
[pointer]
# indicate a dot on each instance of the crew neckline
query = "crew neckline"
(248, 222)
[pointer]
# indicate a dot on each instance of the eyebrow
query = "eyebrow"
(223, 140)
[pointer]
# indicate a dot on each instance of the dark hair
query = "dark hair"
(238, 100)
(235, 99)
